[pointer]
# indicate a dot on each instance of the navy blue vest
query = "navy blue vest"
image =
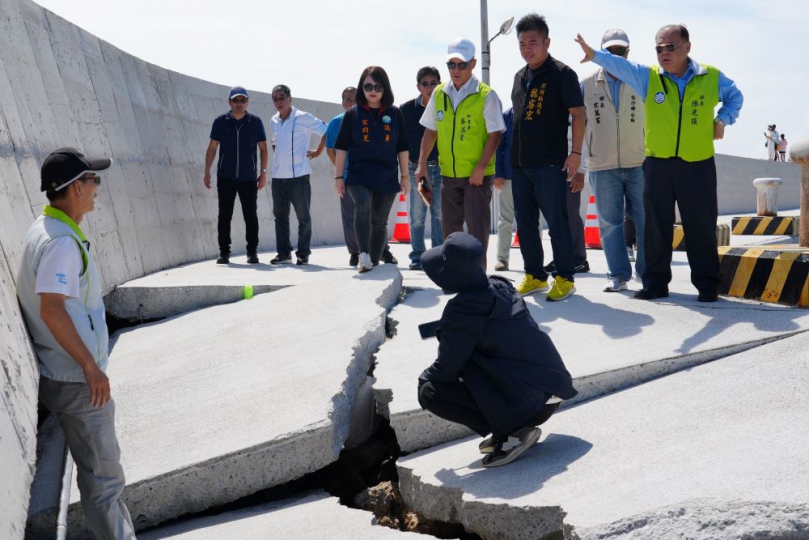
(372, 158)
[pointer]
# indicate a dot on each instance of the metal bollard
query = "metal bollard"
(799, 153)
(767, 196)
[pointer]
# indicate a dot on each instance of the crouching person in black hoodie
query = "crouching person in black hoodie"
(496, 372)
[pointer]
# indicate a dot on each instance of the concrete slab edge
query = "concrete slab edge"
(708, 518)
(419, 429)
(490, 521)
(149, 303)
(210, 483)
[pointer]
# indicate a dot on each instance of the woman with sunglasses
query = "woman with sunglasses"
(373, 138)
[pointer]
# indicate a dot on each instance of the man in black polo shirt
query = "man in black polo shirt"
(546, 92)
(427, 79)
(238, 132)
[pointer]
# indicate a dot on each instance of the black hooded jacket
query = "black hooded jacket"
(487, 338)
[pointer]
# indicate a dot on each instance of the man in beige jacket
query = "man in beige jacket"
(615, 142)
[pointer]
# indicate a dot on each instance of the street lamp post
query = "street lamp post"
(485, 42)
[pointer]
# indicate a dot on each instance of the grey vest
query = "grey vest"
(87, 311)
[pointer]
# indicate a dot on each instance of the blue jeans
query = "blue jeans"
(298, 193)
(543, 189)
(418, 212)
(614, 188)
(371, 210)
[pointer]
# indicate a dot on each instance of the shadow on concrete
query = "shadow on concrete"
(726, 313)
(423, 298)
(527, 475)
(615, 323)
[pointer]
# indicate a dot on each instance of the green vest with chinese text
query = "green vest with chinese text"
(681, 129)
(462, 133)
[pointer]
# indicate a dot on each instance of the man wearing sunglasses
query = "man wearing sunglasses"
(680, 97)
(427, 79)
(615, 142)
(465, 117)
(236, 134)
(59, 289)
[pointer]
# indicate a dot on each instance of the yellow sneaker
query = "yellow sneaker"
(562, 288)
(530, 285)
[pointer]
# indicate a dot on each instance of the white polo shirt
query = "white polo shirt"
(492, 108)
(290, 138)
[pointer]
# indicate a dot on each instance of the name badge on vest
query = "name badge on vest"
(439, 115)
(660, 97)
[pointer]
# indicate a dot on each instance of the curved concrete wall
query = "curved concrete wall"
(61, 86)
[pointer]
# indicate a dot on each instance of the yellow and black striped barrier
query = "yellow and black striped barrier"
(722, 236)
(773, 274)
(773, 226)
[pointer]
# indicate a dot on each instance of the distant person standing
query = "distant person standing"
(346, 203)
(373, 137)
(290, 132)
(502, 182)
(782, 147)
(465, 117)
(680, 97)
(238, 133)
(427, 79)
(772, 151)
(59, 289)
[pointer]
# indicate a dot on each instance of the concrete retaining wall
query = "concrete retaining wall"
(61, 86)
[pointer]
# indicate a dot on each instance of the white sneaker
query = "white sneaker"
(365, 263)
(631, 253)
(615, 284)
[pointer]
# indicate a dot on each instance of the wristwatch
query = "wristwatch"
(718, 120)
(264, 170)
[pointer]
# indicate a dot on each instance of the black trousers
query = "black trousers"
(692, 185)
(248, 197)
(454, 402)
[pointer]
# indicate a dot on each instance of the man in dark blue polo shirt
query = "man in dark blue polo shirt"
(427, 79)
(238, 132)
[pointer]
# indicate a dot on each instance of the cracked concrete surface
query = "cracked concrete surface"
(728, 435)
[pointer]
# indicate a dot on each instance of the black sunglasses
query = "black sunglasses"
(459, 65)
(376, 87)
(239, 100)
(670, 47)
(96, 178)
(425, 84)
(618, 51)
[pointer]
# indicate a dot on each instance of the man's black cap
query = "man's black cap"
(66, 165)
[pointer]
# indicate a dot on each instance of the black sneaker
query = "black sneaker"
(388, 258)
(650, 294)
(583, 268)
(224, 258)
(354, 260)
(550, 267)
(302, 260)
(415, 265)
(707, 296)
(507, 449)
(252, 257)
(281, 259)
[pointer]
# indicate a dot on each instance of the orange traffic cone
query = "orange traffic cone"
(592, 236)
(401, 230)
(516, 242)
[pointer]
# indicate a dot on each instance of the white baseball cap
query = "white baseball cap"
(614, 36)
(462, 48)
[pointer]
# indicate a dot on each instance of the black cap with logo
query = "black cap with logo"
(65, 165)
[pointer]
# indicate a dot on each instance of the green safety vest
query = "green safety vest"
(684, 128)
(462, 134)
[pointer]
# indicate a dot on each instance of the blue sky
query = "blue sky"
(318, 47)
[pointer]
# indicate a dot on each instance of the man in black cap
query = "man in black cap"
(59, 289)
(238, 132)
(496, 371)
